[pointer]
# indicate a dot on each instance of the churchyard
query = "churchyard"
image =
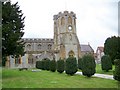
(13, 78)
(64, 45)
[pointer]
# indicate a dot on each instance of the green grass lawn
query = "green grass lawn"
(99, 70)
(13, 78)
(0, 77)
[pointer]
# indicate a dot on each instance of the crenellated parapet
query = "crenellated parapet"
(64, 14)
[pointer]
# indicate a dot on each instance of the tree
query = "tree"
(88, 65)
(80, 63)
(43, 64)
(71, 66)
(116, 73)
(112, 47)
(106, 63)
(39, 64)
(0, 34)
(46, 64)
(53, 65)
(12, 30)
(60, 66)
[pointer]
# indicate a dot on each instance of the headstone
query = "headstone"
(25, 61)
(12, 62)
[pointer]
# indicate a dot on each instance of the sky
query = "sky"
(96, 19)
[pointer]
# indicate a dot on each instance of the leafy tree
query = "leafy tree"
(12, 30)
(112, 47)
(71, 66)
(116, 73)
(80, 63)
(60, 66)
(106, 63)
(88, 65)
(53, 65)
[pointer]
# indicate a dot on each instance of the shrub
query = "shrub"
(53, 65)
(60, 66)
(116, 73)
(80, 63)
(46, 64)
(88, 65)
(43, 65)
(38, 64)
(71, 66)
(106, 63)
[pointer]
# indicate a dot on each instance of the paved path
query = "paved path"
(99, 75)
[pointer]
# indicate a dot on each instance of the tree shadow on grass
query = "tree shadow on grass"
(10, 73)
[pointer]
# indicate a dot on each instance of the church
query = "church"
(64, 43)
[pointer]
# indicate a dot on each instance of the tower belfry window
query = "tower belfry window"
(49, 46)
(39, 46)
(62, 21)
(69, 20)
(28, 47)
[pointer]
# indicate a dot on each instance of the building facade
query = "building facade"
(64, 44)
(99, 54)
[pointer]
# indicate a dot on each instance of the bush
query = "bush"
(46, 64)
(43, 65)
(88, 65)
(53, 65)
(60, 66)
(80, 63)
(38, 64)
(71, 66)
(116, 73)
(106, 63)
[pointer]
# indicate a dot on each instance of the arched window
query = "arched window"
(17, 61)
(49, 46)
(28, 47)
(69, 20)
(62, 21)
(30, 61)
(71, 53)
(39, 46)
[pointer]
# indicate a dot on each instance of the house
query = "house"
(86, 49)
(99, 53)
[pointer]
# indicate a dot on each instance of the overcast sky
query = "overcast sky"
(96, 19)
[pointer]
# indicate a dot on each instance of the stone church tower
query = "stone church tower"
(66, 42)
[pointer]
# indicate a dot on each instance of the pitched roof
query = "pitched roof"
(100, 48)
(86, 48)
